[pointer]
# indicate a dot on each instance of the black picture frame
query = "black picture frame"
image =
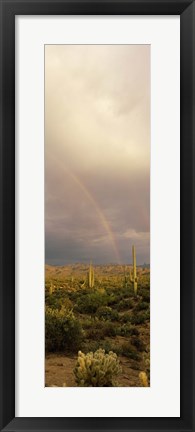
(8, 11)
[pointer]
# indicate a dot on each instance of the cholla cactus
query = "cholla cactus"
(146, 358)
(145, 376)
(144, 379)
(96, 369)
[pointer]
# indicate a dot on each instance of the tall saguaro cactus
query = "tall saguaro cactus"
(91, 276)
(133, 275)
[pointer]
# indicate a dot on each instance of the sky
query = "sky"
(97, 153)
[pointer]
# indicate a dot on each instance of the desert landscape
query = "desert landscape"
(95, 307)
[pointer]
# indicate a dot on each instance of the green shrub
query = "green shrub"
(58, 299)
(127, 329)
(145, 293)
(108, 313)
(87, 322)
(52, 301)
(94, 345)
(128, 350)
(95, 333)
(100, 329)
(141, 306)
(137, 343)
(97, 369)
(124, 304)
(91, 345)
(109, 329)
(111, 299)
(140, 318)
(90, 303)
(125, 318)
(62, 330)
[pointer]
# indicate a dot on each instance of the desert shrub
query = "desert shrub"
(123, 293)
(58, 299)
(124, 304)
(62, 330)
(127, 329)
(90, 345)
(95, 333)
(87, 322)
(109, 329)
(140, 318)
(108, 313)
(145, 293)
(106, 345)
(118, 293)
(53, 302)
(90, 303)
(97, 369)
(101, 329)
(101, 290)
(67, 303)
(125, 318)
(128, 350)
(138, 343)
(141, 306)
(111, 299)
(127, 291)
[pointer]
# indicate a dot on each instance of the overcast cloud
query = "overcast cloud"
(97, 153)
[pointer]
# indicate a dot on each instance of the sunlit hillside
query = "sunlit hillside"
(106, 315)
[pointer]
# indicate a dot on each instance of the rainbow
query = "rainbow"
(99, 212)
(102, 218)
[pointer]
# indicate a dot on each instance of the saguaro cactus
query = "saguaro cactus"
(133, 274)
(91, 276)
(51, 288)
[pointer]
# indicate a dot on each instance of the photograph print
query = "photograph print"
(97, 215)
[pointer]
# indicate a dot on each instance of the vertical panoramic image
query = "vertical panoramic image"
(97, 215)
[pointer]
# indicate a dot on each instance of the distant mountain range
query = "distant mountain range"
(81, 269)
(144, 266)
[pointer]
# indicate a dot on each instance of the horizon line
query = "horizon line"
(100, 264)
